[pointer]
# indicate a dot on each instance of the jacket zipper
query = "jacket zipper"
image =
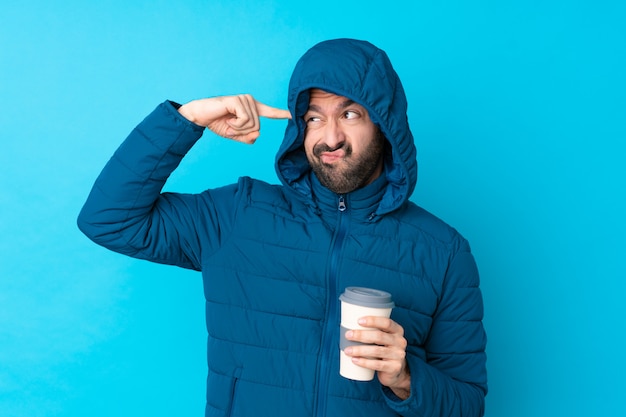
(331, 308)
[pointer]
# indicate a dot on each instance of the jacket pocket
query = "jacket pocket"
(221, 394)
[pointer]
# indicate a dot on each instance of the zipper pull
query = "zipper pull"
(342, 203)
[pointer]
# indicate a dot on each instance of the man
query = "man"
(274, 258)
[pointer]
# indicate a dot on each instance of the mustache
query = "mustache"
(320, 148)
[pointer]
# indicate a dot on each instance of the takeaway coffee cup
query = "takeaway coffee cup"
(357, 302)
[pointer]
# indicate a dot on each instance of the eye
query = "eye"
(351, 114)
(311, 119)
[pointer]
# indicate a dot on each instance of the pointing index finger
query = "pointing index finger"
(272, 112)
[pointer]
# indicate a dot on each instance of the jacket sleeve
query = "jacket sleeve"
(452, 380)
(125, 210)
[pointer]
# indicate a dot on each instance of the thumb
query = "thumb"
(271, 112)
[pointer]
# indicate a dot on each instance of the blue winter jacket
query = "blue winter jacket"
(275, 258)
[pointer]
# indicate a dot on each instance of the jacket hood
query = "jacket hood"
(361, 72)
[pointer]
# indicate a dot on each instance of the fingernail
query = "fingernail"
(362, 321)
(349, 334)
(348, 351)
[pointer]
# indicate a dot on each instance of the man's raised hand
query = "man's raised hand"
(233, 117)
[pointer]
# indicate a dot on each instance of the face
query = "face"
(342, 144)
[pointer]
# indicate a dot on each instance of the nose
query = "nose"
(333, 134)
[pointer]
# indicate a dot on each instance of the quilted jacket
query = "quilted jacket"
(275, 258)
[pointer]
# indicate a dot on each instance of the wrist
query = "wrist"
(187, 111)
(403, 391)
(402, 387)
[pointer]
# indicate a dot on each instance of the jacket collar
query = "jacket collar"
(362, 203)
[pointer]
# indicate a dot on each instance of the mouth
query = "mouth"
(328, 155)
(332, 156)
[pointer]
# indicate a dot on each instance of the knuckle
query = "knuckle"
(403, 344)
(379, 351)
(396, 368)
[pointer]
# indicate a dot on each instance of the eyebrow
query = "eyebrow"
(342, 105)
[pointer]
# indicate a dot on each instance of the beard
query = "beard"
(354, 172)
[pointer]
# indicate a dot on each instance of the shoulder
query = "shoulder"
(255, 191)
(274, 198)
(415, 221)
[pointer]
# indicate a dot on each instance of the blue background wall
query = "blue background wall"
(519, 111)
